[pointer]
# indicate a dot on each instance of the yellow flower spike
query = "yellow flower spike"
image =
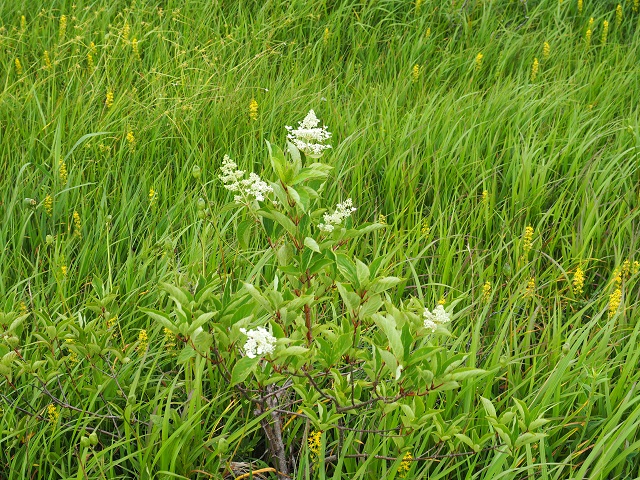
(605, 32)
(405, 465)
(614, 301)
(62, 28)
(253, 109)
(62, 170)
(427, 33)
(636, 6)
(534, 69)
(625, 270)
(18, 66)
(527, 239)
(580, 7)
(143, 342)
(52, 413)
(126, 30)
(635, 268)
(77, 224)
(546, 50)
(485, 196)
(478, 61)
(382, 219)
(109, 99)
(531, 287)
(153, 195)
(92, 48)
(418, 5)
(486, 290)
(131, 140)
(442, 300)
(415, 73)
(73, 356)
(314, 442)
(23, 24)
(47, 61)
(90, 64)
(64, 270)
(47, 203)
(587, 37)
(325, 36)
(136, 49)
(425, 228)
(578, 281)
(618, 15)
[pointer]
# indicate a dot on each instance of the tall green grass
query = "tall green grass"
(558, 153)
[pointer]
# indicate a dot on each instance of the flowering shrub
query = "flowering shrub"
(319, 331)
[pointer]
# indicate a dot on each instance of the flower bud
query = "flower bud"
(84, 442)
(93, 438)
(202, 214)
(168, 244)
(566, 348)
(201, 204)
(195, 171)
(49, 239)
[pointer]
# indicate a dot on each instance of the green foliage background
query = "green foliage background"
(557, 150)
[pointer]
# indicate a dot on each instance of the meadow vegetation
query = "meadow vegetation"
(450, 291)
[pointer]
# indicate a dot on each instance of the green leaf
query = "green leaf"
(466, 372)
(162, 318)
(312, 172)
(385, 283)
(350, 299)
(261, 299)
(278, 161)
(388, 325)
(488, 407)
(281, 219)
(294, 350)
(201, 320)
(527, 438)
(347, 268)
(177, 294)
(312, 244)
(244, 233)
(242, 369)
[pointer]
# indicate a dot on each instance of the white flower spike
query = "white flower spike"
(308, 137)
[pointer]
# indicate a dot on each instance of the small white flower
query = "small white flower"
(343, 210)
(438, 317)
(308, 137)
(246, 188)
(260, 342)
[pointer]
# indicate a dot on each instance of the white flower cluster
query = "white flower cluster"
(259, 342)
(438, 317)
(343, 210)
(308, 137)
(246, 187)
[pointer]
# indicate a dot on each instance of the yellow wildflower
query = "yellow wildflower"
(479, 58)
(77, 225)
(485, 196)
(636, 6)
(618, 15)
(153, 195)
(382, 219)
(325, 36)
(126, 29)
(531, 286)
(62, 170)
(635, 268)
(591, 20)
(425, 229)
(605, 32)
(442, 300)
(578, 281)
(18, 66)
(415, 73)
(580, 7)
(90, 64)
(534, 69)
(47, 203)
(23, 24)
(486, 290)
(63, 27)
(587, 37)
(614, 301)
(47, 61)
(73, 356)
(92, 48)
(135, 48)
(418, 5)
(131, 140)
(109, 100)
(527, 240)
(427, 33)
(143, 341)
(546, 50)
(253, 109)
(23, 308)
(625, 270)
(315, 443)
(405, 465)
(63, 270)
(169, 338)
(52, 412)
